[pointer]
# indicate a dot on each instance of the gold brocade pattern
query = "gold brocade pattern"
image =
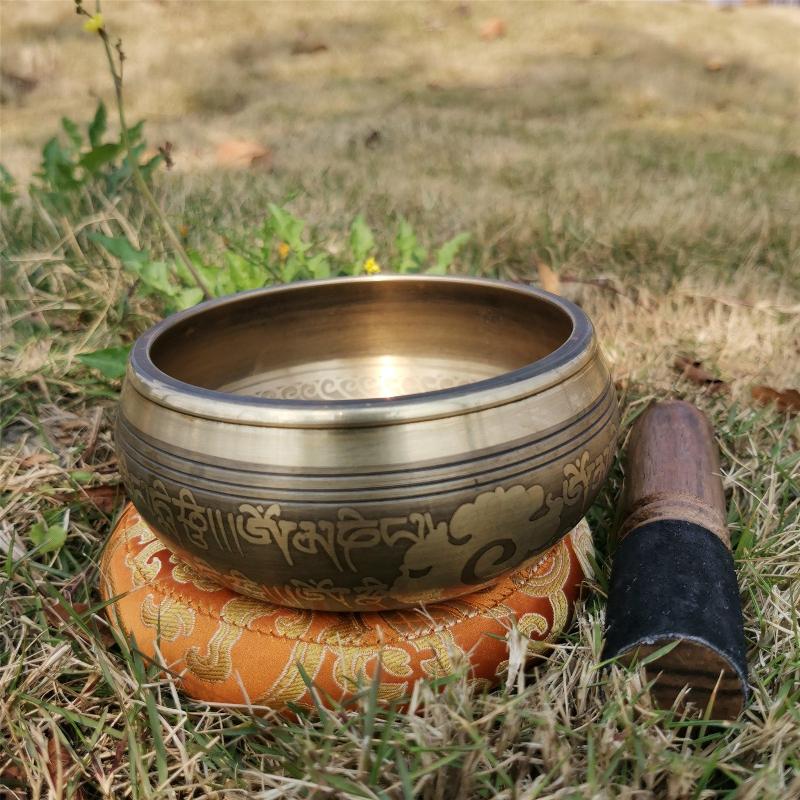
(291, 684)
(169, 618)
(231, 648)
(216, 665)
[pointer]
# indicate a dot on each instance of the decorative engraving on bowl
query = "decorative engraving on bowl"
(365, 500)
(438, 552)
(360, 379)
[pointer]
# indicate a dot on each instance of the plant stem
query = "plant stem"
(138, 178)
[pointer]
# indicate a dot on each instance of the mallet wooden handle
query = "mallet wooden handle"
(673, 471)
(673, 579)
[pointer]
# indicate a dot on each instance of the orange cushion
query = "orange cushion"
(229, 648)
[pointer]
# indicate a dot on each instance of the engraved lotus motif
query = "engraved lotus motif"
(367, 444)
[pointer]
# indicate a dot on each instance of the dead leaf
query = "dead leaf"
(12, 777)
(243, 153)
(106, 497)
(305, 46)
(119, 754)
(695, 372)
(715, 65)
(94, 432)
(58, 614)
(372, 139)
(786, 400)
(34, 459)
(493, 28)
(165, 151)
(59, 764)
(548, 279)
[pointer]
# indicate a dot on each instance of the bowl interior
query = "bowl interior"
(353, 340)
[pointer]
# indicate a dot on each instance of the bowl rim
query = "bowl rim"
(575, 353)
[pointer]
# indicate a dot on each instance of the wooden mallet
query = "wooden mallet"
(673, 579)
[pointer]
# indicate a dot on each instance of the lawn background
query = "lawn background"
(649, 152)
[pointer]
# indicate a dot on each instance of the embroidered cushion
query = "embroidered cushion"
(229, 648)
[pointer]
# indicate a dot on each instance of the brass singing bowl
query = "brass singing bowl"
(367, 443)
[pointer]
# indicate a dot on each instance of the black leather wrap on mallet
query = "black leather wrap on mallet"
(673, 578)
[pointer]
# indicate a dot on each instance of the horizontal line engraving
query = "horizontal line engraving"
(344, 495)
(607, 396)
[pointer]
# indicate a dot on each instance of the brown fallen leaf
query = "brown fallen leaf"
(59, 765)
(304, 46)
(243, 153)
(715, 65)
(695, 372)
(58, 615)
(786, 400)
(373, 139)
(493, 28)
(12, 777)
(106, 498)
(548, 278)
(165, 151)
(119, 755)
(34, 459)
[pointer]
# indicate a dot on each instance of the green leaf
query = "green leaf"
(186, 298)
(57, 168)
(111, 362)
(217, 279)
(47, 537)
(156, 275)
(135, 132)
(135, 155)
(244, 274)
(81, 476)
(99, 155)
(120, 247)
(98, 125)
(288, 228)
(410, 254)
(147, 168)
(446, 253)
(361, 240)
(319, 266)
(73, 132)
(8, 190)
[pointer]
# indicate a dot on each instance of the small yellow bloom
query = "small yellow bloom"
(94, 23)
(371, 266)
(283, 251)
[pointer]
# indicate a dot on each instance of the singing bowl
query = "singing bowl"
(370, 443)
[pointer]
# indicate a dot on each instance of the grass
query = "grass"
(600, 139)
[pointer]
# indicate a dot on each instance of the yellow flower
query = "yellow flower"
(283, 251)
(94, 23)
(371, 266)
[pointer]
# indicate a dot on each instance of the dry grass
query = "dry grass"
(593, 137)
